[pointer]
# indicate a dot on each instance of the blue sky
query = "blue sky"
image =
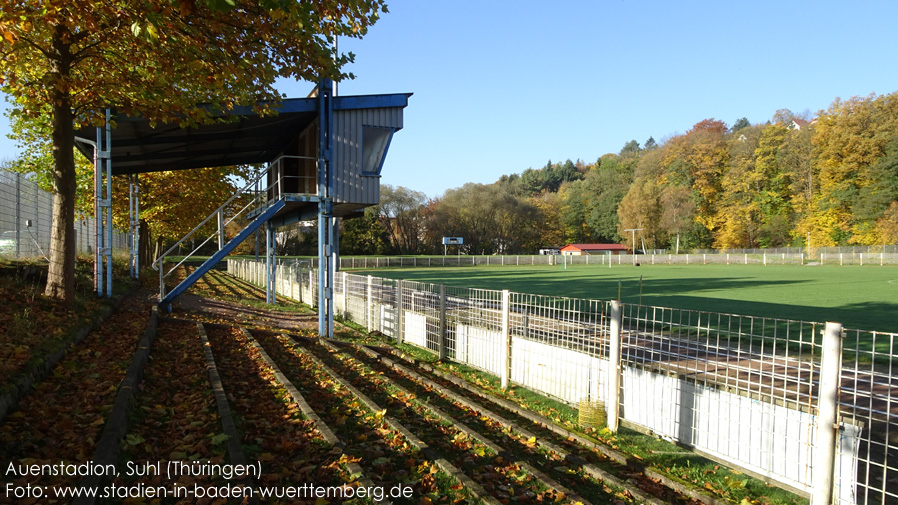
(502, 86)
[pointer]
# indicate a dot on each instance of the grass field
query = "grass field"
(859, 297)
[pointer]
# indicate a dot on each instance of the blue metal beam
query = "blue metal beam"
(370, 101)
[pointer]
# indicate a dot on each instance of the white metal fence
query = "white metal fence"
(740, 389)
(26, 214)
(881, 255)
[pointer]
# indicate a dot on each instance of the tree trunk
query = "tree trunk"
(144, 250)
(61, 274)
(159, 249)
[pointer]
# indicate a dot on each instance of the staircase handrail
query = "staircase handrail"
(158, 262)
(210, 237)
(251, 187)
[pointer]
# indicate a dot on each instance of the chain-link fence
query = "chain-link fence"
(744, 390)
(26, 214)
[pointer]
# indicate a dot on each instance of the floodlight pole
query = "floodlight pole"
(633, 231)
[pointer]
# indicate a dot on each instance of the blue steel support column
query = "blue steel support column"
(322, 221)
(103, 209)
(329, 111)
(331, 267)
(332, 232)
(325, 211)
(322, 265)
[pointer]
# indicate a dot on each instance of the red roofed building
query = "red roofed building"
(581, 249)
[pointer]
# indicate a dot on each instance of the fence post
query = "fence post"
(827, 425)
(312, 283)
(612, 406)
(369, 304)
(506, 337)
(344, 294)
(442, 330)
(299, 279)
(19, 215)
(399, 311)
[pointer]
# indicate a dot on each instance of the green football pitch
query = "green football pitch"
(859, 297)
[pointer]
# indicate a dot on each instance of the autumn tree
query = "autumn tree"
(698, 160)
(756, 201)
(549, 221)
(401, 214)
(767, 185)
(642, 203)
(796, 159)
(678, 218)
(605, 187)
(738, 207)
(887, 225)
(490, 218)
(855, 142)
(574, 211)
(69, 61)
(172, 203)
(640, 209)
(364, 234)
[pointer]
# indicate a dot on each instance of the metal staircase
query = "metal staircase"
(260, 202)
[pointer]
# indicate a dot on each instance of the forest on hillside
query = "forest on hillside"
(831, 179)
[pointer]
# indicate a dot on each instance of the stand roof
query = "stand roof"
(138, 147)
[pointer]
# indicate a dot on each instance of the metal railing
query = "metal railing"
(248, 201)
(740, 389)
(868, 258)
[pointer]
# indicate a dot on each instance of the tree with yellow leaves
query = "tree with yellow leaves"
(856, 144)
(63, 63)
